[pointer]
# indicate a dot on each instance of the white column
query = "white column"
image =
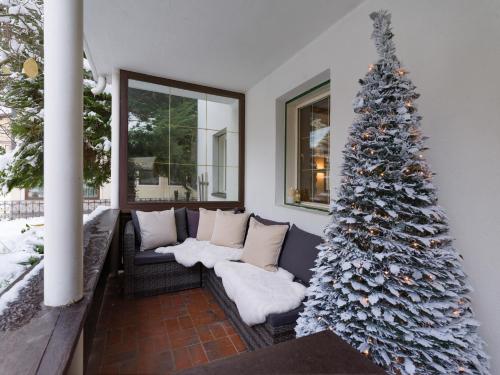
(63, 151)
(115, 139)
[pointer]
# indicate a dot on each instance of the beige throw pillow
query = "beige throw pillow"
(229, 229)
(263, 245)
(157, 228)
(205, 225)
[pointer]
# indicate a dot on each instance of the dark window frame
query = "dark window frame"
(125, 204)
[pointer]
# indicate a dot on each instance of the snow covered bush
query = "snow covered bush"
(21, 38)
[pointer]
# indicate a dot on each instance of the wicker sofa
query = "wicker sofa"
(148, 273)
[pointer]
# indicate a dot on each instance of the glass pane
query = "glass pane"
(171, 148)
(308, 148)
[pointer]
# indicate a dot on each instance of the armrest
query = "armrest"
(129, 248)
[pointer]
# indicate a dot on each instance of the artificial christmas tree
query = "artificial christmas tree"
(387, 279)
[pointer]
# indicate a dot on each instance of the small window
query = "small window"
(307, 151)
(220, 163)
(90, 192)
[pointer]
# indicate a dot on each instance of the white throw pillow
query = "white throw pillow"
(229, 229)
(263, 245)
(205, 225)
(157, 228)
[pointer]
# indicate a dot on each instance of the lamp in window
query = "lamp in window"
(320, 164)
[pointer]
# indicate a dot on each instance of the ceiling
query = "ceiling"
(230, 44)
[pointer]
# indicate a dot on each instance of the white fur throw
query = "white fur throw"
(192, 251)
(257, 292)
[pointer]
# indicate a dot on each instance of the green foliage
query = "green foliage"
(21, 37)
(39, 249)
(32, 261)
(165, 127)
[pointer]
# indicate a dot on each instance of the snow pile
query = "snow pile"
(18, 250)
(13, 293)
(257, 292)
(97, 211)
(193, 251)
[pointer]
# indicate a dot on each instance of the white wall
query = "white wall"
(452, 50)
(214, 116)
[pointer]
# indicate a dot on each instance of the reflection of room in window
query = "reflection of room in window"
(308, 148)
(219, 143)
(147, 177)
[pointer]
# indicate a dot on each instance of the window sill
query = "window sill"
(219, 195)
(322, 210)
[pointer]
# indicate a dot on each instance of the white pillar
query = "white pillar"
(115, 139)
(63, 151)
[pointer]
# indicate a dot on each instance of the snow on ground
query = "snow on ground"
(18, 251)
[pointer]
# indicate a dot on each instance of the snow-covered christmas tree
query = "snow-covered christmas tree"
(21, 100)
(387, 279)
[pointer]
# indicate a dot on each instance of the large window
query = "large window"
(183, 144)
(307, 159)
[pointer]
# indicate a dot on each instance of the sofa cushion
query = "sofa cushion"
(205, 225)
(282, 319)
(263, 245)
(269, 222)
(299, 253)
(193, 219)
(181, 224)
(150, 257)
(137, 229)
(157, 228)
(229, 229)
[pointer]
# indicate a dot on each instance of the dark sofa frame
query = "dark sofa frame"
(170, 276)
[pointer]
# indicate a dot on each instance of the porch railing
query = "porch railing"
(11, 210)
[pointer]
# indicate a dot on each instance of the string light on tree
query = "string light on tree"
(384, 257)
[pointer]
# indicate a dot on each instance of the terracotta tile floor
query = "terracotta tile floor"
(162, 334)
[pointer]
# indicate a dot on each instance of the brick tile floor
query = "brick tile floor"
(162, 334)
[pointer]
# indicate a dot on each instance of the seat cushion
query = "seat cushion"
(282, 319)
(299, 253)
(150, 257)
(193, 218)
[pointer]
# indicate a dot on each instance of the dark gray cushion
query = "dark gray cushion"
(150, 257)
(181, 224)
(193, 218)
(137, 229)
(269, 222)
(299, 253)
(285, 318)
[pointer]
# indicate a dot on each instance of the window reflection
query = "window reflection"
(176, 151)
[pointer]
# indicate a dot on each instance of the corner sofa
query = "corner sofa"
(149, 273)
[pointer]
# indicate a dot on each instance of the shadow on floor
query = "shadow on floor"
(161, 334)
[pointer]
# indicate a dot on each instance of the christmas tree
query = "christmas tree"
(387, 279)
(21, 100)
